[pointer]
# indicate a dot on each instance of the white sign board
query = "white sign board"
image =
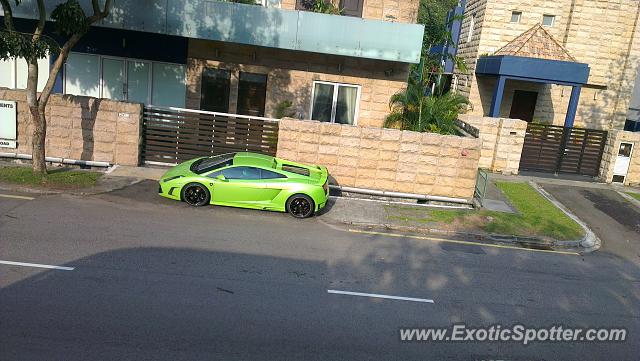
(8, 112)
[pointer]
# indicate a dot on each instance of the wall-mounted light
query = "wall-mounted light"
(254, 56)
(388, 72)
(216, 52)
(595, 95)
(340, 68)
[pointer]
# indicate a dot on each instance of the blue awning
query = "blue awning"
(534, 69)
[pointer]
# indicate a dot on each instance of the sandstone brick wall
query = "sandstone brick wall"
(611, 152)
(82, 128)
(402, 11)
(502, 141)
(384, 159)
(291, 76)
(604, 34)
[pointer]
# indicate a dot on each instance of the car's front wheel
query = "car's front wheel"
(300, 206)
(195, 194)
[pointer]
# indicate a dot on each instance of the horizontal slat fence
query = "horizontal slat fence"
(172, 135)
(556, 149)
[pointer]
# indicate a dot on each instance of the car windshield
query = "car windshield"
(208, 164)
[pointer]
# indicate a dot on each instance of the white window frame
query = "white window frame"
(151, 64)
(334, 104)
(13, 65)
(472, 25)
(13, 78)
(553, 20)
(518, 13)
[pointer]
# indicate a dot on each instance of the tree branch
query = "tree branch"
(55, 68)
(97, 14)
(8, 15)
(42, 18)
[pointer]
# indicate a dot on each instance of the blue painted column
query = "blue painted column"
(57, 86)
(573, 106)
(497, 97)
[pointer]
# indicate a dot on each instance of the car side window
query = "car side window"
(267, 174)
(244, 173)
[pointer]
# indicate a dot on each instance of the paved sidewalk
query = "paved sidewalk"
(152, 173)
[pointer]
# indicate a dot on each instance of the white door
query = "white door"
(113, 79)
(621, 167)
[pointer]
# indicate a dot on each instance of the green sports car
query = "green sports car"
(248, 180)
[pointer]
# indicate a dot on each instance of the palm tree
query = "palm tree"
(411, 109)
(423, 106)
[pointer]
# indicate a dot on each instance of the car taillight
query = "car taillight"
(325, 186)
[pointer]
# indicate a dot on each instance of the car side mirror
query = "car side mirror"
(221, 177)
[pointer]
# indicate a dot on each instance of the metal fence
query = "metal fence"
(172, 135)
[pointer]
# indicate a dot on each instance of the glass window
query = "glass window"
(22, 72)
(346, 104)
(252, 94)
(138, 81)
(243, 173)
(625, 150)
(7, 72)
(82, 75)
(515, 16)
(548, 20)
(214, 90)
(168, 85)
(335, 103)
(204, 165)
(351, 7)
(322, 102)
(113, 86)
(267, 174)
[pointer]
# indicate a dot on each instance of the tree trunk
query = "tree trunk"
(38, 120)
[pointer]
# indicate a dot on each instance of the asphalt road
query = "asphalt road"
(151, 279)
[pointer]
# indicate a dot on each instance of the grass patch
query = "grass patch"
(634, 195)
(422, 215)
(536, 216)
(56, 178)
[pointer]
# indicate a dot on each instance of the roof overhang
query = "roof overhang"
(534, 69)
(259, 26)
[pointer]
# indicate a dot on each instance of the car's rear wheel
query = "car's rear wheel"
(300, 206)
(195, 194)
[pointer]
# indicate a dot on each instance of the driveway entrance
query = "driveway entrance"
(614, 219)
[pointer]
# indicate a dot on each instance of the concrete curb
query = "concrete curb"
(629, 198)
(95, 190)
(523, 242)
(589, 243)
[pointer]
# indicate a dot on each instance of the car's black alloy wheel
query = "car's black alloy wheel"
(300, 206)
(195, 195)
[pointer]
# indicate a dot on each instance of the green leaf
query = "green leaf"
(70, 19)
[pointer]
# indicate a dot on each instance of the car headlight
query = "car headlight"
(171, 178)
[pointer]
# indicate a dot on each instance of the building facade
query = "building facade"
(604, 35)
(270, 59)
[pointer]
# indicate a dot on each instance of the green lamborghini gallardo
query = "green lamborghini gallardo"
(248, 180)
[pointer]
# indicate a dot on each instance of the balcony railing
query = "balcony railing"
(260, 26)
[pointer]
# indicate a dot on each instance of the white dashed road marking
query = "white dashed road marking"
(375, 295)
(37, 265)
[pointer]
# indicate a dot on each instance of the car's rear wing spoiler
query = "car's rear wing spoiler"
(315, 172)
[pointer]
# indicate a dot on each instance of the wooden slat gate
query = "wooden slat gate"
(556, 149)
(173, 135)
